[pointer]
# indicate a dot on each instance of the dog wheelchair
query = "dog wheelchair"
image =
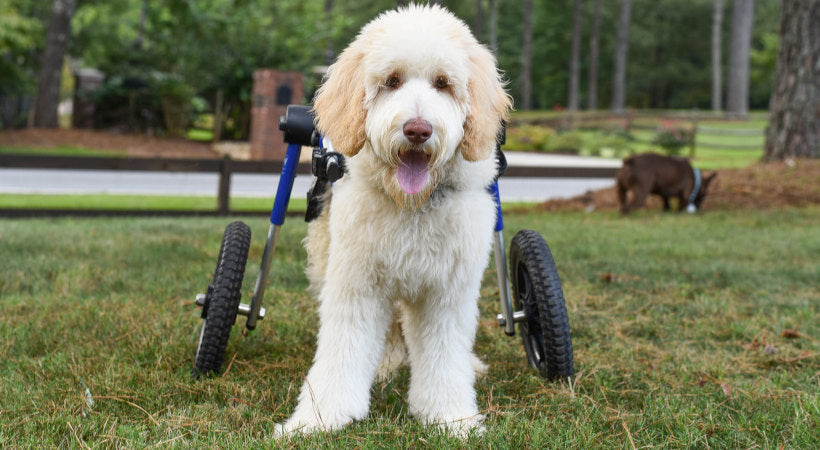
(531, 296)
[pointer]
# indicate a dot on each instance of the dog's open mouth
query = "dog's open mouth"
(412, 172)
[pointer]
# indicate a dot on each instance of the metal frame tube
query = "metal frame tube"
(508, 321)
(262, 278)
(505, 319)
(277, 218)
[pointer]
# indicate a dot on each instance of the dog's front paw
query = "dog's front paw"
(309, 423)
(294, 427)
(464, 428)
(289, 429)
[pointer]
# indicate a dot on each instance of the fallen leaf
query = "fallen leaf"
(790, 334)
(754, 345)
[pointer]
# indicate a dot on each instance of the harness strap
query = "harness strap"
(696, 187)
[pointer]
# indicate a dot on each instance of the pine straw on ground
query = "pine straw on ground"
(795, 183)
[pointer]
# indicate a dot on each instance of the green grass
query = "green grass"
(698, 331)
(62, 150)
(138, 202)
(197, 134)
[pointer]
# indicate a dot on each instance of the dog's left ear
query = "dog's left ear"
(489, 105)
(339, 102)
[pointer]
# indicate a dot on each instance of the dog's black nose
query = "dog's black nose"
(417, 130)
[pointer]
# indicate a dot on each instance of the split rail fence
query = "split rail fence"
(225, 167)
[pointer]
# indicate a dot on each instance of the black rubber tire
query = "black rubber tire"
(537, 290)
(222, 300)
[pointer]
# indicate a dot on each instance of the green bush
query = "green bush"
(528, 138)
(566, 142)
(672, 137)
(608, 145)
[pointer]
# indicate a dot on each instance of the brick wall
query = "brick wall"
(273, 91)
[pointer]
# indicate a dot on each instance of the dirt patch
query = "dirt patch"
(762, 186)
(129, 144)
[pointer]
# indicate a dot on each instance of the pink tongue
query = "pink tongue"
(412, 171)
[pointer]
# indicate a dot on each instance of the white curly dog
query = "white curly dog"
(397, 256)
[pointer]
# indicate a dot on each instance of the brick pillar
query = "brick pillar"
(86, 81)
(273, 91)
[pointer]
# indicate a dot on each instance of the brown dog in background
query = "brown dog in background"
(667, 176)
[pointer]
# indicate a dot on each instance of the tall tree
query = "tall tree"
(330, 51)
(717, 57)
(51, 64)
(526, 56)
(494, 25)
(575, 55)
(794, 110)
(621, 51)
(478, 25)
(594, 43)
(737, 98)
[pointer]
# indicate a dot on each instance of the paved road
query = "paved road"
(47, 181)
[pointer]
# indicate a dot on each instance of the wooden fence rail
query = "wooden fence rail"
(225, 167)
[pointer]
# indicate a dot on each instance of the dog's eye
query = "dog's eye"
(393, 82)
(441, 82)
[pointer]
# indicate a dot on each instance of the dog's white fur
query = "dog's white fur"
(378, 256)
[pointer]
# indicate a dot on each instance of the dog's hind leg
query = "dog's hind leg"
(395, 352)
(639, 195)
(622, 191)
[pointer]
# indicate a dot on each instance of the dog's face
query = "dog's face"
(417, 89)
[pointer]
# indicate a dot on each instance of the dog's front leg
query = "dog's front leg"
(349, 347)
(440, 343)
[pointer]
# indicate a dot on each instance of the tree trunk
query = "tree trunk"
(494, 25)
(594, 42)
(138, 43)
(330, 51)
(794, 109)
(51, 64)
(478, 26)
(575, 55)
(526, 57)
(737, 99)
(621, 50)
(717, 57)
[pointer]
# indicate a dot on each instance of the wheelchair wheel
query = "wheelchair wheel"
(536, 289)
(222, 300)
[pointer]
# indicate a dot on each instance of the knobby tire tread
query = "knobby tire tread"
(226, 294)
(529, 249)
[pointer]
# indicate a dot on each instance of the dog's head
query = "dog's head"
(418, 89)
(704, 188)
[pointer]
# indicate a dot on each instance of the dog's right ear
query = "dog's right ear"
(489, 105)
(339, 103)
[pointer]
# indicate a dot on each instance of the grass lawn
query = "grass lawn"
(60, 151)
(689, 331)
(139, 202)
